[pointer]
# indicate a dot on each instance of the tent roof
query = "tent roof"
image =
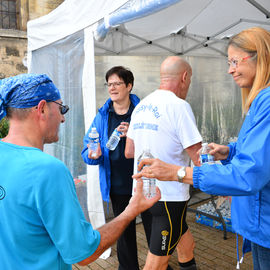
(68, 18)
(186, 27)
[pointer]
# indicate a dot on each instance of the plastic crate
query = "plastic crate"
(210, 210)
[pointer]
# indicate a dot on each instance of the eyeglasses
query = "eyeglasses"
(114, 84)
(234, 63)
(63, 108)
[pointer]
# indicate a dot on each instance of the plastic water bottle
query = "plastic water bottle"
(93, 141)
(205, 157)
(149, 184)
(113, 140)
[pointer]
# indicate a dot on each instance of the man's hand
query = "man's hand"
(220, 152)
(157, 169)
(138, 202)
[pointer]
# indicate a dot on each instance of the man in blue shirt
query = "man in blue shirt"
(42, 224)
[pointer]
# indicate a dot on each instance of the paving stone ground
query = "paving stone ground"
(212, 252)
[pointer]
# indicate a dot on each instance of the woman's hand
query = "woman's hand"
(155, 168)
(123, 128)
(94, 154)
(220, 152)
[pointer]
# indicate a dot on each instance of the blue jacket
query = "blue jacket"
(101, 124)
(245, 174)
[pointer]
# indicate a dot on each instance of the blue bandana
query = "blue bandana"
(26, 91)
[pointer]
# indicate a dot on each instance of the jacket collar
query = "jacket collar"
(105, 108)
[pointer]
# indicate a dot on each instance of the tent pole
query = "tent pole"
(260, 8)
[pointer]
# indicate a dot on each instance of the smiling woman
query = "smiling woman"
(242, 67)
(253, 43)
(114, 169)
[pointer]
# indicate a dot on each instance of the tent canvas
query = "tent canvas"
(62, 45)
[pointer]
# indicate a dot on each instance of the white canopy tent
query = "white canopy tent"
(200, 22)
(62, 44)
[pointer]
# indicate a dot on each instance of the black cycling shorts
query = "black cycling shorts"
(168, 225)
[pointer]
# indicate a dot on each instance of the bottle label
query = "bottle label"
(117, 133)
(94, 140)
(113, 140)
(206, 158)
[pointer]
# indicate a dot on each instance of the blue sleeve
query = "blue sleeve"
(62, 216)
(249, 170)
(84, 152)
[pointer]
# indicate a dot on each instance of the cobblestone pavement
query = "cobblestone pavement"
(212, 252)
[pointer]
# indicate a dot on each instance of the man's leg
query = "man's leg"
(185, 252)
(147, 224)
(154, 262)
(168, 224)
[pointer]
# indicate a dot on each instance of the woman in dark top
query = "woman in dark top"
(115, 170)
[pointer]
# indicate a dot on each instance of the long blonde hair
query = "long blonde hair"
(255, 41)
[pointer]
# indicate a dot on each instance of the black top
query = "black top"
(121, 168)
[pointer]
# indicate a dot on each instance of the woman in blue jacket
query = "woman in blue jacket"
(115, 170)
(245, 173)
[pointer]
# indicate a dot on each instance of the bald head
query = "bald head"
(175, 75)
(172, 67)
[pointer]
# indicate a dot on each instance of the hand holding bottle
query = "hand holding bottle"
(205, 156)
(94, 154)
(94, 151)
(149, 184)
(118, 133)
(220, 152)
(123, 128)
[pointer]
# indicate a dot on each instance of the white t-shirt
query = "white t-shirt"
(165, 124)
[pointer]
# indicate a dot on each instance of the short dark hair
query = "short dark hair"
(20, 113)
(123, 73)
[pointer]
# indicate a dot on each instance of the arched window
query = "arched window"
(8, 14)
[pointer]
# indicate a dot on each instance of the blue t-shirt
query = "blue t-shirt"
(42, 225)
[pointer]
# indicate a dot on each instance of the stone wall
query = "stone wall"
(38, 8)
(13, 49)
(13, 43)
(32, 9)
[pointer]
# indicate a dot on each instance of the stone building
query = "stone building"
(14, 16)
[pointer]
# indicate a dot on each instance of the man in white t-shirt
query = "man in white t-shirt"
(164, 123)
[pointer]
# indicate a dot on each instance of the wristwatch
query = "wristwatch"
(181, 173)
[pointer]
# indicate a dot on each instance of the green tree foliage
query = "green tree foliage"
(4, 126)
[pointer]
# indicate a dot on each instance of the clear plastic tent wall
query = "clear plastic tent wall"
(66, 60)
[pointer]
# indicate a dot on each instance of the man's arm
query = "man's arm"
(130, 149)
(111, 231)
(193, 153)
